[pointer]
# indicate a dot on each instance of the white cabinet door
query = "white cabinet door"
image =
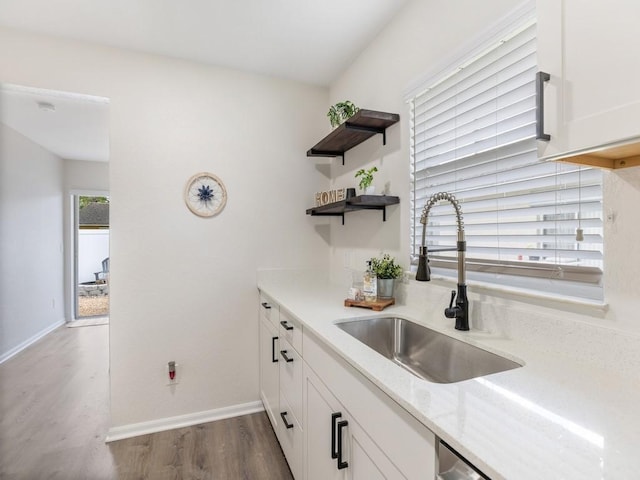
(320, 426)
(366, 460)
(269, 381)
(379, 429)
(591, 50)
(291, 437)
(336, 446)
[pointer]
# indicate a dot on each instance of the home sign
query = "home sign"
(330, 196)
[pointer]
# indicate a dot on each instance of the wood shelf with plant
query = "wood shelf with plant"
(352, 132)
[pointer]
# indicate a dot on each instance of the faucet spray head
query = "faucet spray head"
(424, 272)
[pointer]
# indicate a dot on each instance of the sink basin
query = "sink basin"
(424, 352)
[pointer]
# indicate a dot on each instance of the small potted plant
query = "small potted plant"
(386, 270)
(366, 179)
(340, 112)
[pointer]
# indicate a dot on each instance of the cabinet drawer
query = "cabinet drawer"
(269, 310)
(291, 438)
(291, 331)
(290, 365)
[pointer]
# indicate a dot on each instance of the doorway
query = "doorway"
(91, 256)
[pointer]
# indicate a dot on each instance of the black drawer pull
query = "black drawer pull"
(286, 325)
(274, 358)
(284, 355)
(334, 450)
(541, 77)
(266, 305)
(341, 464)
(283, 415)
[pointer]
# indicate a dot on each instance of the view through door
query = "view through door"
(92, 256)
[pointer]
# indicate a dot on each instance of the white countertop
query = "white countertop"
(554, 418)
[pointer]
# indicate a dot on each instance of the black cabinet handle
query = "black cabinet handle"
(283, 415)
(286, 325)
(266, 305)
(274, 358)
(341, 463)
(284, 355)
(334, 449)
(541, 77)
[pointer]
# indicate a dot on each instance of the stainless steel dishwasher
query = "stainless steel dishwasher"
(453, 466)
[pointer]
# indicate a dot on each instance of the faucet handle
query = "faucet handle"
(453, 297)
(451, 311)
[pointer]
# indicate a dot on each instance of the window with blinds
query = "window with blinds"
(473, 135)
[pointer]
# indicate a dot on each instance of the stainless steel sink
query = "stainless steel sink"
(424, 352)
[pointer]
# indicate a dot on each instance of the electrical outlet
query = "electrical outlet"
(176, 378)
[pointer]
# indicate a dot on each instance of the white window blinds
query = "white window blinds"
(473, 135)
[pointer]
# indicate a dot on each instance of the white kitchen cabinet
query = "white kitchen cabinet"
(291, 330)
(290, 372)
(269, 310)
(336, 446)
(320, 441)
(269, 372)
(381, 439)
(281, 379)
(590, 50)
(291, 429)
(303, 384)
(291, 437)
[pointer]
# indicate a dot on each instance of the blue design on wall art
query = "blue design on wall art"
(205, 194)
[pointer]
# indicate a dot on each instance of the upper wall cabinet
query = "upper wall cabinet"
(592, 98)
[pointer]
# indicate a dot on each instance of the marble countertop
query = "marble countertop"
(557, 417)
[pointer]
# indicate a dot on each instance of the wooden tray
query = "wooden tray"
(376, 306)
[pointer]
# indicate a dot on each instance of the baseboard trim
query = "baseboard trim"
(30, 341)
(162, 424)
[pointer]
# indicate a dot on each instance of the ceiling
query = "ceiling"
(311, 41)
(70, 125)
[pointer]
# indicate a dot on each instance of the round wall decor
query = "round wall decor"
(205, 194)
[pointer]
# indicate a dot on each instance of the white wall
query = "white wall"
(31, 241)
(85, 176)
(421, 40)
(183, 287)
(93, 248)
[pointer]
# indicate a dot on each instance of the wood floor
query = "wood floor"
(54, 415)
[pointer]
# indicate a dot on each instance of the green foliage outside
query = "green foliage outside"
(84, 201)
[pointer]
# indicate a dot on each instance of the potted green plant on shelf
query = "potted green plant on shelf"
(366, 180)
(387, 271)
(340, 112)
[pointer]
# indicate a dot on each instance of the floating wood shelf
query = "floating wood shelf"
(363, 125)
(361, 202)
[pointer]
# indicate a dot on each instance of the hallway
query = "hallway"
(54, 410)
